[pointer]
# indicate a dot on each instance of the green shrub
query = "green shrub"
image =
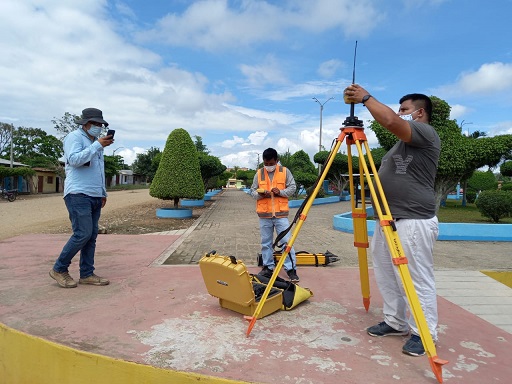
(506, 168)
(470, 196)
(494, 204)
(178, 175)
(482, 181)
(506, 187)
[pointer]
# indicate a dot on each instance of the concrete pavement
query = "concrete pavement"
(161, 315)
(231, 228)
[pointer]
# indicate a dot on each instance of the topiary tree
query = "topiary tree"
(506, 168)
(303, 170)
(482, 181)
(211, 168)
(178, 175)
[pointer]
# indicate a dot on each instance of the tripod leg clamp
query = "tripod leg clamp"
(400, 260)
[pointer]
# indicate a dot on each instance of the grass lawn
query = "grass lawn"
(454, 212)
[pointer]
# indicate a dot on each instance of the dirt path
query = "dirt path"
(48, 214)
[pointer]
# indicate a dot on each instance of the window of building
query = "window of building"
(49, 179)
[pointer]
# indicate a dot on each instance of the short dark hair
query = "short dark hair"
(420, 101)
(269, 154)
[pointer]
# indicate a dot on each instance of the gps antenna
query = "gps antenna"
(352, 120)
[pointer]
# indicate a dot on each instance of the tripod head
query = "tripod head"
(353, 121)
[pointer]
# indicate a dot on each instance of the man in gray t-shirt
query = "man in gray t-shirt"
(408, 171)
(407, 174)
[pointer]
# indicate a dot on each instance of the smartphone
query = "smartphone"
(111, 132)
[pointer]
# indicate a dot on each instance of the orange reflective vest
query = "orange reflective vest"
(276, 206)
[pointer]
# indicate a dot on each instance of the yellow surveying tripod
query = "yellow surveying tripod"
(353, 132)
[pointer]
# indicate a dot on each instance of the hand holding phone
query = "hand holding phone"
(111, 132)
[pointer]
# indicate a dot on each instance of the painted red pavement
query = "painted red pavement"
(163, 316)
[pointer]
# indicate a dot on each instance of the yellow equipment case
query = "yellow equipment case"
(228, 279)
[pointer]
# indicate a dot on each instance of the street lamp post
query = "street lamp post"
(320, 140)
(118, 148)
(462, 123)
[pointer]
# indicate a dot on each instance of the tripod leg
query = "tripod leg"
(277, 269)
(400, 260)
(359, 216)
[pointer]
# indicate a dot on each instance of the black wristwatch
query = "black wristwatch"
(365, 98)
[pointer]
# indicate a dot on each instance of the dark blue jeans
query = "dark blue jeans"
(84, 213)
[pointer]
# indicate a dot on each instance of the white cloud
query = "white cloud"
(353, 17)
(60, 56)
(247, 159)
(213, 25)
(457, 111)
(128, 154)
(284, 144)
(254, 139)
(257, 138)
(501, 128)
(269, 72)
(310, 88)
(233, 142)
(328, 68)
(488, 79)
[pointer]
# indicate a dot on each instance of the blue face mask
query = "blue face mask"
(94, 131)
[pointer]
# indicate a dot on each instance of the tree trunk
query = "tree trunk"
(442, 188)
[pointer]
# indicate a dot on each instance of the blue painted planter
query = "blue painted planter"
(207, 197)
(174, 213)
(317, 201)
(192, 203)
(447, 231)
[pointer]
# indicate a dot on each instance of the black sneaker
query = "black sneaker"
(266, 272)
(292, 274)
(414, 346)
(382, 329)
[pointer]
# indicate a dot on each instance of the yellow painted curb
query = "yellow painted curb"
(504, 277)
(29, 359)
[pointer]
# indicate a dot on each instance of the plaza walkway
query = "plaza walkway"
(157, 313)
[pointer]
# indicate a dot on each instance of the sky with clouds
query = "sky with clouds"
(242, 74)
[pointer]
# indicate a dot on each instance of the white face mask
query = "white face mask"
(94, 131)
(409, 116)
(270, 168)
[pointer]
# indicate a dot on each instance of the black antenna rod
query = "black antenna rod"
(352, 120)
(353, 79)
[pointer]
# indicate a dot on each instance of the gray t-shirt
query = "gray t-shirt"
(408, 172)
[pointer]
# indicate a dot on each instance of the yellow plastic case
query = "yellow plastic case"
(228, 279)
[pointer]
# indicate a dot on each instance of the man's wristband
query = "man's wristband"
(366, 98)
